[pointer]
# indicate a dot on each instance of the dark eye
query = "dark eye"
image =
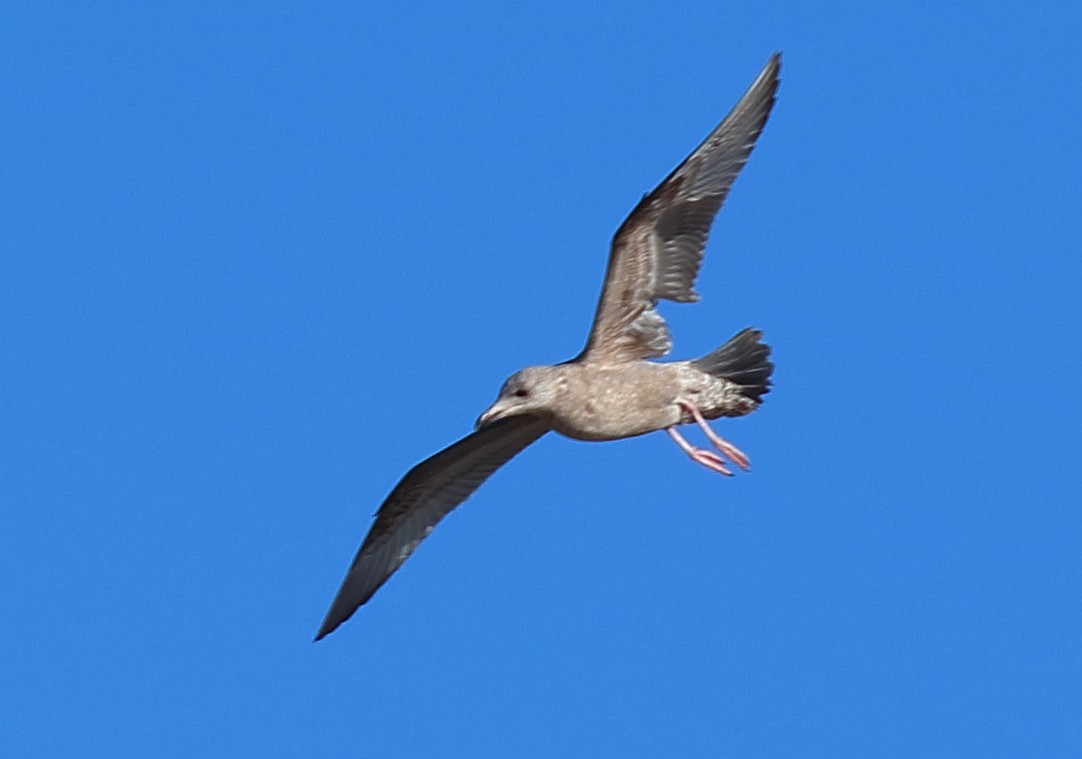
(520, 393)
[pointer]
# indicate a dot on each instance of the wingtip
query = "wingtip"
(330, 624)
(772, 69)
(332, 621)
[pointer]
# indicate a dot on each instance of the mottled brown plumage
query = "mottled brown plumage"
(610, 391)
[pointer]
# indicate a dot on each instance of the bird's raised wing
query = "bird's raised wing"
(426, 495)
(657, 251)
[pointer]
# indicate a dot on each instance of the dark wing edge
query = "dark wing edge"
(658, 250)
(427, 493)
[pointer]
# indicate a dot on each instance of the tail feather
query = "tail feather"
(743, 360)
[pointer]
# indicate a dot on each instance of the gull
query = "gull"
(611, 390)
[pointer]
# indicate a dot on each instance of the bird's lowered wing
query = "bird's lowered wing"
(426, 495)
(657, 251)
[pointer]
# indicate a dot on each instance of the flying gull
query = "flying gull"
(610, 390)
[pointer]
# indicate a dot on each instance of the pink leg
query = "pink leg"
(709, 459)
(724, 447)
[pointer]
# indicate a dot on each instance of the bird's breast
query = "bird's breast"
(614, 402)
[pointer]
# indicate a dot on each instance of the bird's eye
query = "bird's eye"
(520, 393)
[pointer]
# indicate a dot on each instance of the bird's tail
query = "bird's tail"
(743, 360)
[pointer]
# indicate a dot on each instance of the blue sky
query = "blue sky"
(258, 260)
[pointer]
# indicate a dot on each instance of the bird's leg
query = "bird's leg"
(709, 459)
(724, 447)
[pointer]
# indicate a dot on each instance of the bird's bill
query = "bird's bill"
(493, 413)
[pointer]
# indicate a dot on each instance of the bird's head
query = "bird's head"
(532, 390)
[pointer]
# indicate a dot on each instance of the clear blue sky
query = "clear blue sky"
(257, 261)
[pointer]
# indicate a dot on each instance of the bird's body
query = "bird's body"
(611, 390)
(626, 400)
